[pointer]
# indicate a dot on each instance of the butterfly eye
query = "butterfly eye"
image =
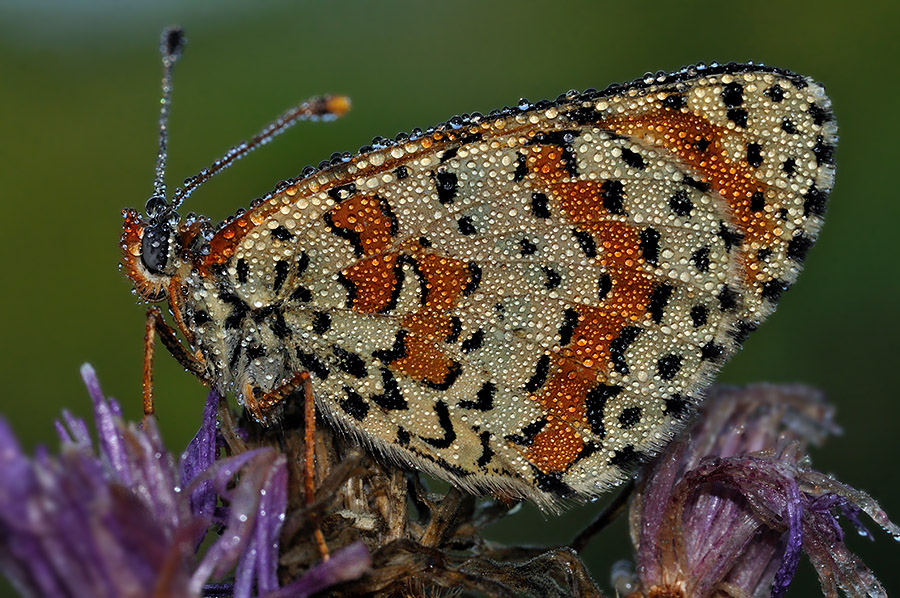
(155, 246)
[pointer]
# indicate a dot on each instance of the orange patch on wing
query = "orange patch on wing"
(367, 217)
(224, 244)
(375, 279)
(698, 143)
(581, 364)
(445, 279)
(555, 447)
(547, 162)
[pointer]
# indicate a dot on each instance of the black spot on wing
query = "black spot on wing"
(465, 226)
(474, 279)
(738, 116)
(342, 192)
(649, 244)
(674, 102)
(626, 457)
(537, 380)
(551, 483)
(567, 328)
(527, 247)
(757, 202)
(348, 235)
(584, 115)
(312, 364)
(619, 345)
(354, 405)
(824, 152)
(449, 154)
(397, 351)
(282, 267)
(789, 166)
(281, 233)
(301, 294)
(700, 259)
(487, 453)
(754, 155)
(302, 264)
(612, 195)
(799, 247)
(633, 159)
(586, 242)
(484, 398)
(733, 95)
(595, 406)
(349, 287)
(819, 115)
(446, 425)
(539, 205)
(773, 288)
(728, 298)
(321, 322)
(629, 417)
(699, 315)
(680, 204)
(676, 406)
(659, 297)
(455, 330)
(712, 351)
(699, 185)
(552, 278)
(349, 362)
(474, 342)
(447, 185)
(775, 93)
(391, 398)
(729, 236)
(604, 286)
(521, 167)
(528, 433)
(243, 270)
(814, 202)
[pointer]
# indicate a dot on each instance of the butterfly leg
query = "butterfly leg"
(260, 405)
(309, 413)
(156, 325)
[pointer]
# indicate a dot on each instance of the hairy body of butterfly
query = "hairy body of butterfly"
(526, 302)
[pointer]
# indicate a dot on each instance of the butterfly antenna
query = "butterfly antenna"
(171, 46)
(321, 108)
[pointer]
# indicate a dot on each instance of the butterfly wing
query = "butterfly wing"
(529, 302)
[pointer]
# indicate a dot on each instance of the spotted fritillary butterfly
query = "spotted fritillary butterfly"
(526, 302)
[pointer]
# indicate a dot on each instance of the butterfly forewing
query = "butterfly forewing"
(527, 302)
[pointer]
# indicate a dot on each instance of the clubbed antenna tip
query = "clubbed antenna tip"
(171, 46)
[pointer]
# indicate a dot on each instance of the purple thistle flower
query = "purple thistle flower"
(125, 521)
(730, 507)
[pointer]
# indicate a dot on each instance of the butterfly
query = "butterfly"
(527, 302)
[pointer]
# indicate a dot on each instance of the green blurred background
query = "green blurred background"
(79, 82)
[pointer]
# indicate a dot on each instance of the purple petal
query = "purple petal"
(245, 539)
(794, 548)
(198, 457)
(111, 447)
(347, 564)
